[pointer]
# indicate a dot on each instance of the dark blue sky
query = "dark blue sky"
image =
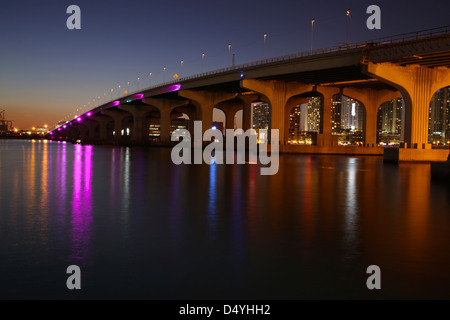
(48, 71)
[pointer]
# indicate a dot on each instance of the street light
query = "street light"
(203, 59)
(164, 73)
(348, 17)
(150, 76)
(312, 33)
(265, 37)
(229, 54)
(118, 93)
(181, 68)
(138, 83)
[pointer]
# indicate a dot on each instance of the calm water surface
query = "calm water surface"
(142, 227)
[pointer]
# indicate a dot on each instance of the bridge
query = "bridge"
(411, 66)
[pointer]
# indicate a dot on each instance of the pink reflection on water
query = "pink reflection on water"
(81, 222)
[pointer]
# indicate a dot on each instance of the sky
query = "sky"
(47, 71)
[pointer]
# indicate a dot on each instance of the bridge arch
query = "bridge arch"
(390, 122)
(303, 118)
(183, 117)
(229, 108)
(348, 120)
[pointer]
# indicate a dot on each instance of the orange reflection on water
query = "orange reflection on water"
(417, 209)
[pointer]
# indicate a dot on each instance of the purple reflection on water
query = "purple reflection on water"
(81, 222)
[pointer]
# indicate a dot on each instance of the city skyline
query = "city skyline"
(63, 70)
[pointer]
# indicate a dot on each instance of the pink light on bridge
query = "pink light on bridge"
(115, 103)
(89, 114)
(175, 87)
(79, 119)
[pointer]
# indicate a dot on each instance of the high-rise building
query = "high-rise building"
(260, 115)
(352, 115)
(304, 117)
(294, 125)
(439, 116)
(390, 119)
(336, 114)
(347, 120)
(304, 120)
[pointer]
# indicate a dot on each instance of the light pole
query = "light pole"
(181, 68)
(229, 54)
(203, 60)
(118, 94)
(138, 84)
(164, 73)
(265, 37)
(312, 33)
(128, 86)
(150, 76)
(348, 17)
(112, 93)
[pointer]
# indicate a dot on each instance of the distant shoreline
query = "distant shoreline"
(22, 137)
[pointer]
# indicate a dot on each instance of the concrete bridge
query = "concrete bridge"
(412, 66)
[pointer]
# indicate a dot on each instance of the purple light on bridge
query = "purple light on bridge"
(175, 87)
(51, 133)
(59, 129)
(115, 103)
(89, 114)
(64, 126)
(79, 119)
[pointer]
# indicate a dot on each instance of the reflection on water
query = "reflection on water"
(141, 227)
(351, 214)
(81, 220)
(212, 205)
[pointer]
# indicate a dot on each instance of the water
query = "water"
(142, 227)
